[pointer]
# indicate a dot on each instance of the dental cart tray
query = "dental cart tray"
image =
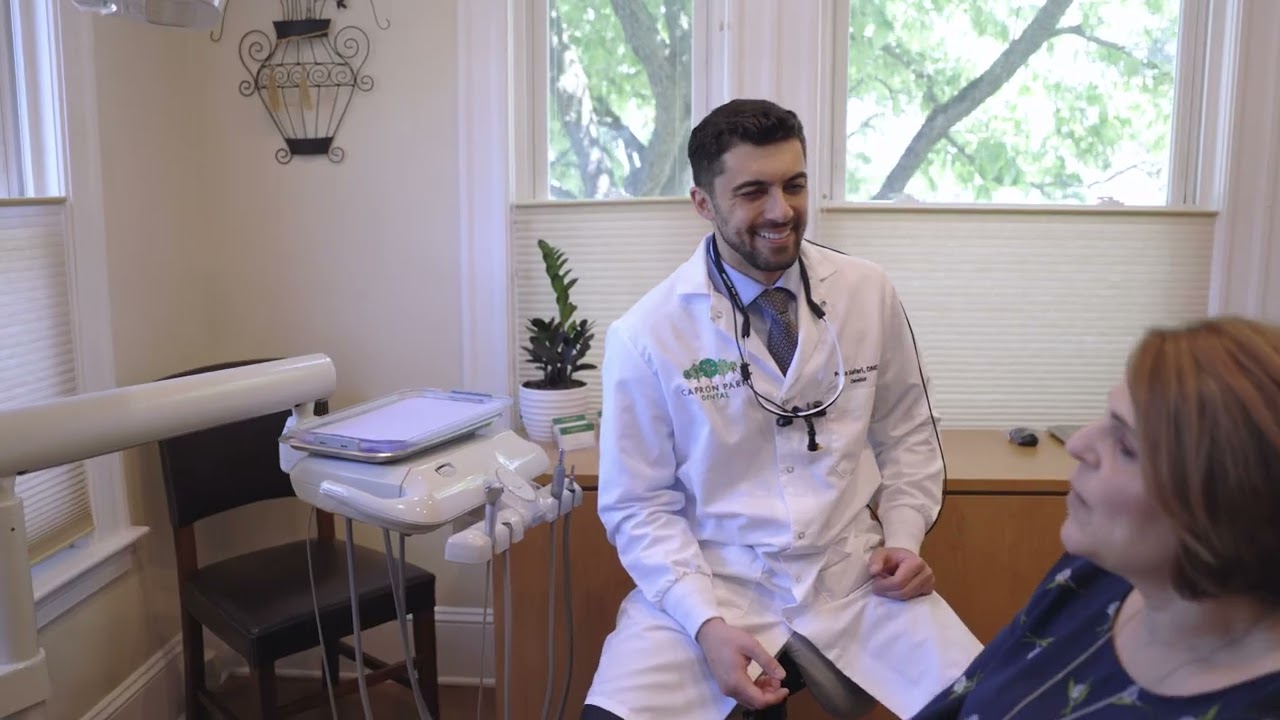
(396, 426)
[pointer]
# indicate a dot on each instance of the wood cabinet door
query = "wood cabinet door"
(990, 551)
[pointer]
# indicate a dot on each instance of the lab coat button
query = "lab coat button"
(790, 469)
(800, 535)
(719, 314)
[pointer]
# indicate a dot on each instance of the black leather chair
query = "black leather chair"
(260, 603)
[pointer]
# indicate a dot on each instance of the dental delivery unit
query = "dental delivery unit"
(415, 461)
(409, 463)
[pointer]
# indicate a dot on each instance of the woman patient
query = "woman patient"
(1167, 603)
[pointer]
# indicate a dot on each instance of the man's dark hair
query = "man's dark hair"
(758, 122)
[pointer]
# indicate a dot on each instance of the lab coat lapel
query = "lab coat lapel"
(764, 371)
(814, 364)
(693, 280)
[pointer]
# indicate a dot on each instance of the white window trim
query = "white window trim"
(10, 157)
(486, 137)
(1238, 176)
(72, 575)
(1246, 273)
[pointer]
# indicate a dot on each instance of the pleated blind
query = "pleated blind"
(1022, 318)
(37, 363)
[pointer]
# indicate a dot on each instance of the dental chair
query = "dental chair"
(260, 603)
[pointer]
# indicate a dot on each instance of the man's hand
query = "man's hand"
(899, 574)
(729, 650)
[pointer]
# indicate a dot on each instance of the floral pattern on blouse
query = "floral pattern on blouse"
(1056, 661)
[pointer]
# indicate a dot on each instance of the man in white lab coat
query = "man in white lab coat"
(769, 462)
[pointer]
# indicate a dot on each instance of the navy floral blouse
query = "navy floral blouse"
(1030, 670)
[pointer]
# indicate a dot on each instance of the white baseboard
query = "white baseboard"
(152, 692)
(459, 632)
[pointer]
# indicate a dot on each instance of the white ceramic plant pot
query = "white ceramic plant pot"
(539, 407)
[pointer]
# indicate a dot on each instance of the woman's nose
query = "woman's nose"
(1083, 443)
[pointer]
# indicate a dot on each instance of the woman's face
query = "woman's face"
(1111, 520)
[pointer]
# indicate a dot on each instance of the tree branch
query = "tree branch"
(1079, 31)
(945, 116)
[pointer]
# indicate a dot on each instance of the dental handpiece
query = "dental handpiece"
(492, 491)
(557, 477)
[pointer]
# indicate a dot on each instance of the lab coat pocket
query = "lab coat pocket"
(842, 573)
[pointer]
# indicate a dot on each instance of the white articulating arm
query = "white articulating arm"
(85, 426)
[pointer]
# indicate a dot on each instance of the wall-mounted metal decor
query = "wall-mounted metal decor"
(307, 76)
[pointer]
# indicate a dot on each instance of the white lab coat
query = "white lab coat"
(717, 511)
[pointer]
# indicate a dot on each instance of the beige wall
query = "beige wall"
(160, 322)
(216, 251)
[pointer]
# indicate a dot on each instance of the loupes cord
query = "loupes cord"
(397, 594)
(315, 606)
(355, 622)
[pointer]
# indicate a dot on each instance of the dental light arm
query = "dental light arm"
(85, 426)
(77, 428)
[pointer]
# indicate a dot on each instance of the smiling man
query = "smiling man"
(769, 463)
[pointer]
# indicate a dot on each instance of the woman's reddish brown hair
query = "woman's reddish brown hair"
(1207, 402)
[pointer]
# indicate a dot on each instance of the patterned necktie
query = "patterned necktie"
(782, 326)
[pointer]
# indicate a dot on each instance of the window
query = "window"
(56, 338)
(39, 363)
(1009, 101)
(1026, 287)
(617, 101)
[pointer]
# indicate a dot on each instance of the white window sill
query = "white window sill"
(64, 579)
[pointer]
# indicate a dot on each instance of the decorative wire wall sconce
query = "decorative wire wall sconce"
(307, 77)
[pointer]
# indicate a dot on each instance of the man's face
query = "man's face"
(759, 207)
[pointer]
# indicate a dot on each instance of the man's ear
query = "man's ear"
(702, 203)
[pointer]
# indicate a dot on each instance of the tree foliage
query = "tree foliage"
(961, 100)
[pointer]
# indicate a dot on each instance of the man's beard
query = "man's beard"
(756, 253)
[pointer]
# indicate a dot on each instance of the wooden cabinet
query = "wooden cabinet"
(996, 536)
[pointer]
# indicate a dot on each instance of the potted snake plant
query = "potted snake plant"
(558, 347)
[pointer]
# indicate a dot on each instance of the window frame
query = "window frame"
(53, 63)
(10, 147)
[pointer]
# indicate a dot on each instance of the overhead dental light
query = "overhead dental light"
(199, 14)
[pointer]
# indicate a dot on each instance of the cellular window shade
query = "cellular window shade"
(38, 363)
(1021, 318)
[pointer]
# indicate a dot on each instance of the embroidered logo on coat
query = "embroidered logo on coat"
(711, 379)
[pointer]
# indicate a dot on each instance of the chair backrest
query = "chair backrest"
(214, 470)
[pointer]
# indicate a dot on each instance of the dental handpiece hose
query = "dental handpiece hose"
(557, 491)
(398, 592)
(492, 492)
(568, 594)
